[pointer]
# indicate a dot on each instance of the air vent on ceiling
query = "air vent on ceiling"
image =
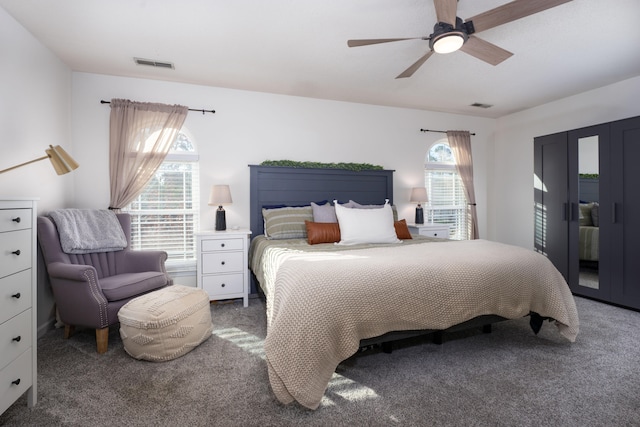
(481, 105)
(152, 63)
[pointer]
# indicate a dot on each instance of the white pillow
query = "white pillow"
(366, 225)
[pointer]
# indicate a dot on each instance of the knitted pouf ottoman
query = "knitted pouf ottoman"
(165, 324)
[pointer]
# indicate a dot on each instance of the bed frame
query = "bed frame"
(275, 185)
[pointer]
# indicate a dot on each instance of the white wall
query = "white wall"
(511, 198)
(35, 111)
(250, 127)
(35, 89)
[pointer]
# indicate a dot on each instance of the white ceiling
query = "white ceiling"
(299, 48)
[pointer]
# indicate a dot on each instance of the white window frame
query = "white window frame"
(179, 260)
(447, 202)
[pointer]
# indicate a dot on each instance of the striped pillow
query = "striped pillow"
(287, 222)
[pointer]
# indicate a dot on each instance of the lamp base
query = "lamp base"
(419, 215)
(221, 220)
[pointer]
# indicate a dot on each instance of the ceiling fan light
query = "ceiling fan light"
(448, 43)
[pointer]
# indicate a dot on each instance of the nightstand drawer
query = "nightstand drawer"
(15, 294)
(15, 337)
(223, 284)
(442, 233)
(222, 262)
(222, 245)
(15, 252)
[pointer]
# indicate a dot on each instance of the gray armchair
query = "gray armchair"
(89, 289)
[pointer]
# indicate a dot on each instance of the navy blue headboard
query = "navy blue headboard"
(275, 185)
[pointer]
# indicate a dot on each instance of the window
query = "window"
(166, 214)
(447, 203)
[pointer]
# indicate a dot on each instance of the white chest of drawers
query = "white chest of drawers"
(440, 231)
(222, 267)
(18, 373)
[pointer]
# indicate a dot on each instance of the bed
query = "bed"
(324, 300)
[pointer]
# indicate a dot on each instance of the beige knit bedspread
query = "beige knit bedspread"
(321, 304)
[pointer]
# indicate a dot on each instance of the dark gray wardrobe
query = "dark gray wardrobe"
(587, 208)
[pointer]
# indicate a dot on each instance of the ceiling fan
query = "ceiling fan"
(451, 33)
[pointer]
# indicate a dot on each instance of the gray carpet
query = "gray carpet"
(510, 377)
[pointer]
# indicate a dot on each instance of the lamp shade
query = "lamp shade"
(418, 195)
(220, 195)
(61, 160)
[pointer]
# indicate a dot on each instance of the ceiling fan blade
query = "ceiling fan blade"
(412, 69)
(510, 12)
(365, 42)
(446, 11)
(485, 51)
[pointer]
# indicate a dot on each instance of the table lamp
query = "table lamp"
(220, 196)
(419, 195)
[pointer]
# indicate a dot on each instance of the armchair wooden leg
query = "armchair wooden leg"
(68, 331)
(102, 339)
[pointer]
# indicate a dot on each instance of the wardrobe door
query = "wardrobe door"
(590, 233)
(625, 207)
(551, 197)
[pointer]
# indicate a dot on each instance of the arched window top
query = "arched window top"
(184, 143)
(184, 147)
(440, 152)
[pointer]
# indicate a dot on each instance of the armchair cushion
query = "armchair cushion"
(129, 285)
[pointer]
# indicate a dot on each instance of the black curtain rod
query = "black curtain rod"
(190, 109)
(439, 131)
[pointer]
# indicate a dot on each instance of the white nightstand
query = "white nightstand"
(222, 264)
(431, 230)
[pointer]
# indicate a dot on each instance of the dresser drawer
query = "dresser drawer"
(15, 219)
(15, 251)
(18, 371)
(222, 245)
(223, 284)
(15, 294)
(15, 337)
(222, 262)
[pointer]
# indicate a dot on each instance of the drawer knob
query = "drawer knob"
(222, 245)
(16, 252)
(222, 285)
(17, 219)
(17, 339)
(222, 262)
(16, 382)
(16, 296)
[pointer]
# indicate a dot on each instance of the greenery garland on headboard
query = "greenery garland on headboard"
(318, 165)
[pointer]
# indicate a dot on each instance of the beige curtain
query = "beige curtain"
(460, 143)
(140, 136)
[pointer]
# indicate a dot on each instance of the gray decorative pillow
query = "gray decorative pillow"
(585, 214)
(595, 214)
(287, 222)
(324, 213)
(359, 206)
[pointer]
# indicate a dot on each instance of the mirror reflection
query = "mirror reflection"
(589, 221)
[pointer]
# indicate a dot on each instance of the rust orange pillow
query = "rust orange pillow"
(402, 231)
(322, 232)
